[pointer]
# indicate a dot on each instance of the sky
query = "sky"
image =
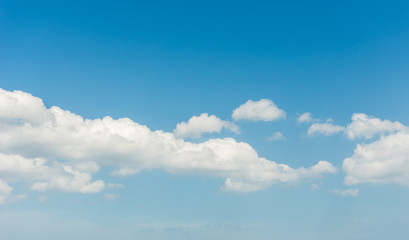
(204, 120)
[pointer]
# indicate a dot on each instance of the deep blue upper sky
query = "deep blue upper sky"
(161, 62)
(298, 52)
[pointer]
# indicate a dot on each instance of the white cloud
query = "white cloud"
(262, 110)
(326, 129)
(361, 126)
(347, 192)
(21, 106)
(278, 173)
(197, 125)
(47, 175)
(306, 118)
(62, 151)
(383, 161)
(276, 136)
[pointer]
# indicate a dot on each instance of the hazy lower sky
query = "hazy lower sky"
(204, 120)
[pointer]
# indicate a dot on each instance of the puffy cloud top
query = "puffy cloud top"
(366, 127)
(52, 148)
(262, 110)
(306, 118)
(197, 125)
(383, 161)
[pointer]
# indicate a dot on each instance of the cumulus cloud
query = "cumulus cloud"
(361, 126)
(197, 125)
(47, 175)
(347, 192)
(54, 149)
(306, 118)
(383, 161)
(21, 106)
(278, 173)
(262, 110)
(276, 137)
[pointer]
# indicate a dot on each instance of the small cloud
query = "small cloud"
(111, 196)
(262, 110)
(276, 137)
(347, 192)
(205, 123)
(306, 118)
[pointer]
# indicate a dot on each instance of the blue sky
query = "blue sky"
(164, 65)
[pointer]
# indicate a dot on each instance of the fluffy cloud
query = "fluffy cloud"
(361, 126)
(20, 106)
(47, 175)
(383, 161)
(55, 149)
(262, 110)
(306, 118)
(197, 125)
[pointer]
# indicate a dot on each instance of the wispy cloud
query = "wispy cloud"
(347, 192)
(276, 137)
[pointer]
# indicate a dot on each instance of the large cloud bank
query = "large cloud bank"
(54, 149)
